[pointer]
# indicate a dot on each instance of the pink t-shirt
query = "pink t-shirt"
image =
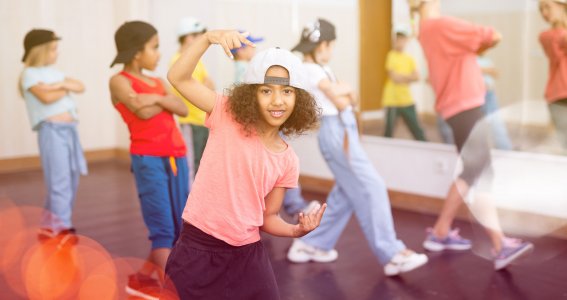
(235, 175)
(450, 46)
(555, 47)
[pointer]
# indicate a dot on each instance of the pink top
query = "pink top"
(450, 46)
(235, 175)
(555, 47)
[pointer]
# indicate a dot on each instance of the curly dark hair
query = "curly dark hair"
(243, 106)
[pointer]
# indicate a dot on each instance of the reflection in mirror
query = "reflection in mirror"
(525, 92)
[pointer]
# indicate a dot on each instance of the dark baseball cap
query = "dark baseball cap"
(131, 38)
(36, 37)
(314, 33)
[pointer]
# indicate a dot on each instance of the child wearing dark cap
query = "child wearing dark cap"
(239, 192)
(157, 149)
(53, 114)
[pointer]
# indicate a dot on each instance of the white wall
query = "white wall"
(87, 48)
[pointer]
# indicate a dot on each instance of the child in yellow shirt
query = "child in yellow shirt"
(396, 98)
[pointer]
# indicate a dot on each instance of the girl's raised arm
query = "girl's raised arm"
(180, 73)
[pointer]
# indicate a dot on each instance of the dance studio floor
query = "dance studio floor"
(107, 211)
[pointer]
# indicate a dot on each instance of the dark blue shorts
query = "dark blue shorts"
(163, 194)
(203, 267)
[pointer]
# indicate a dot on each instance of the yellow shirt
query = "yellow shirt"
(398, 94)
(196, 116)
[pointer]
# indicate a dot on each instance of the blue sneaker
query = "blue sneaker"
(453, 241)
(512, 249)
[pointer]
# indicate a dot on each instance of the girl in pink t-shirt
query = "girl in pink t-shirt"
(244, 172)
(451, 46)
(554, 43)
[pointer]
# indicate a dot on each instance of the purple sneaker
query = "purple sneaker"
(512, 249)
(453, 241)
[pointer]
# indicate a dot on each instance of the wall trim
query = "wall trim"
(32, 163)
(432, 206)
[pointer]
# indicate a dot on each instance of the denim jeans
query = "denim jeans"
(63, 162)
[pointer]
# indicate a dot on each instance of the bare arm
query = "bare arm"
(173, 104)
(403, 79)
(275, 225)
(339, 93)
(496, 38)
(180, 73)
(73, 85)
(490, 71)
(143, 106)
(209, 83)
(48, 93)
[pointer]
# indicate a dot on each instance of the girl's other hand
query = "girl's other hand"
(309, 221)
(228, 39)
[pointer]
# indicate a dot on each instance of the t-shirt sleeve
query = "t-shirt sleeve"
(315, 74)
(218, 113)
(469, 37)
(30, 77)
(290, 177)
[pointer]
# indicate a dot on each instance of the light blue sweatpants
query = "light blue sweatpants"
(358, 189)
(63, 162)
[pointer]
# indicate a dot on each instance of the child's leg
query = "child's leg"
(179, 191)
(187, 133)
(558, 111)
(445, 131)
(200, 137)
(391, 117)
(152, 182)
(55, 154)
(334, 220)
(367, 195)
(499, 132)
(293, 201)
(410, 118)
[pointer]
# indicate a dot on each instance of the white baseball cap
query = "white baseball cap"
(190, 25)
(262, 61)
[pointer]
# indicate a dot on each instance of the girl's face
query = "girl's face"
(52, 52)
(149, 57)
(552, 12)
(276, 102)
(324, 52)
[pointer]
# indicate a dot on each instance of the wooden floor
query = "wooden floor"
(107, 211)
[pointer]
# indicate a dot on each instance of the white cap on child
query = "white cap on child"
(261, 62)
(189, 25)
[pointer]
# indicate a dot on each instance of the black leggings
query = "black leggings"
(471, 139)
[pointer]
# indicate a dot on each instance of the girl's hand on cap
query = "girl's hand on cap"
(229, 39)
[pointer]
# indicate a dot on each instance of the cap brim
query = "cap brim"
(124, 57)
(304, 47)
(55, 38)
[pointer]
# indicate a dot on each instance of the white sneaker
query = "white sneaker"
(300, 252)
(404, 261)
(314, 205)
